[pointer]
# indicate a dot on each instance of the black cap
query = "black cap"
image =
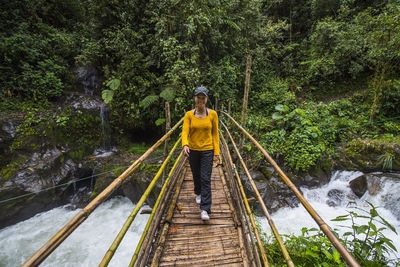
(201, 90)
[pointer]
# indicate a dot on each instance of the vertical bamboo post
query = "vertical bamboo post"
(245, 96)
(216, 104)
(229, 107)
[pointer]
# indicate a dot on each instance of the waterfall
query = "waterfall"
(105, 126)
(88, 78)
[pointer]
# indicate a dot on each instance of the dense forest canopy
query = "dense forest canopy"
(149, 52)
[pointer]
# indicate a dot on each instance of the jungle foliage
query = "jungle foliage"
(305, 54)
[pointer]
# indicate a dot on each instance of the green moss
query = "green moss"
(266, 172)
(374, 154)
(95, 191)
(10, 169)
(149, 168)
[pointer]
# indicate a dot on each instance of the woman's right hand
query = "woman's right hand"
(186, 150)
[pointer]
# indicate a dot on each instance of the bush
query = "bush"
(366, 242)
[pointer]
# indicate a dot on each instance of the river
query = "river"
(88, 244)
(291, 220)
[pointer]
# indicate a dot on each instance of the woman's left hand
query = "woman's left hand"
(216, 158)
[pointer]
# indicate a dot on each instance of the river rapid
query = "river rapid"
(291, 220)
(88, 244)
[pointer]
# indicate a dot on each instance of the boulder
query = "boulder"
(359, 185)
(368, 155)
(335, 197)
(374, 184)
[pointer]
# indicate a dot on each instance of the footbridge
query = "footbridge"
(175, 235)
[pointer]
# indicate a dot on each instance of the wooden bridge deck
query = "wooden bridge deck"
(192, 241)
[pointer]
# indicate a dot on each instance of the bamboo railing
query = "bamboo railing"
(62, 234)
(110, 253)
(322, 225)
(234, 187)
(250, 214)
(261, 201)
(152, 215)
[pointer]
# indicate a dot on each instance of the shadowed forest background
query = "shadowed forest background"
(322, 73)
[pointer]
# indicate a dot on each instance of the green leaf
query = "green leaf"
(168, 94)
(160, 121)
(113, 84)
(286, 108)
(312, 254)
(148, 100)
(327, 254)
(280, 107)
(336, 257)
(277, 116)
(388, 224)
(107, 96)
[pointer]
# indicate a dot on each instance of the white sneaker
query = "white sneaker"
(204, 215)
(198, 199)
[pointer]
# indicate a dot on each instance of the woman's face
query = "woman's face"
(200, 100)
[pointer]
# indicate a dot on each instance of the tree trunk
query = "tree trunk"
(377, 84)
(246, 96)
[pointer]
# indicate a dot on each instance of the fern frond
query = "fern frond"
(148, 100)
(168, 94)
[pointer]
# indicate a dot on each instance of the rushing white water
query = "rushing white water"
(84, 247)
(88, 244)
(291, 220)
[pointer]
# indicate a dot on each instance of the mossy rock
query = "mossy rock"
(370, 155)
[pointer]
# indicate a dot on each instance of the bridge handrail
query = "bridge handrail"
(322, 225)
(64, 232)
(239, 183)
(261, 201)
(110, 253)
(135, 256)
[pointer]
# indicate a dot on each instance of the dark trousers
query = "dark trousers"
(201, 165)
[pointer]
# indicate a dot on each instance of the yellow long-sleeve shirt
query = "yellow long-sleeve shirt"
(201, 133)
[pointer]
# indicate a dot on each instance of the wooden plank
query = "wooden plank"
(206, 251)
(213, 216)
(200, 256)
(197, 230)
(195, 221)
(211, 241)
(225, 259)
(200, 236)
(188, 211)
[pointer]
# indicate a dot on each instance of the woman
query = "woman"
(200, 142)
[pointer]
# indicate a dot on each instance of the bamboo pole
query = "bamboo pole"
(261, 201)
(134, 257)
(322, 225)
(233, 186)
(246, 95)
(63, 233)
(164, 232)
(167, 126)
(260, 245)
(128, 222)
(148, 241)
